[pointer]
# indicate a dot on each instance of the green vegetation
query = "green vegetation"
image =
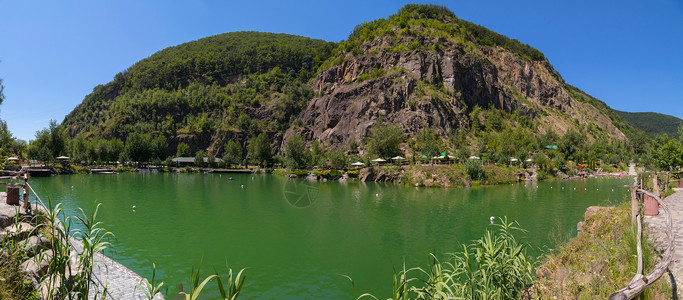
(225, 83)
(385, 140)
(653, 123)
(496, 266)
(599, 261)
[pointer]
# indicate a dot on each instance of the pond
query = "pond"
(295, 237)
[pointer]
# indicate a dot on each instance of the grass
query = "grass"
(599, 261)
(496, 266)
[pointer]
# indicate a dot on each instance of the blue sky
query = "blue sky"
(626, 53)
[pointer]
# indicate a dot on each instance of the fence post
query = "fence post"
(655, 185)
(634, 206)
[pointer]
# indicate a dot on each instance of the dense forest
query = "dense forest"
(653, 123)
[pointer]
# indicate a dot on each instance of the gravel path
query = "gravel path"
(657, 231)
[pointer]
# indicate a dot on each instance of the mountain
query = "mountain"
(653, 123)
(204, 92)
(422, 69)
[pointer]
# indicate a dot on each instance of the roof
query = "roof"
(191, 159)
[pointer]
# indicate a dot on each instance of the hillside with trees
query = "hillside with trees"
(429, 81)
(653, 123)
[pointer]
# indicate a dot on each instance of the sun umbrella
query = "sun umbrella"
(513, 159)
(378, 160)
(398, 158)
(358, 164)
(474, 157)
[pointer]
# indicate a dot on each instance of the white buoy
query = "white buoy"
(575, 189)
(243, 186)
(492, 219)
(376, 195)
(134, 207)
(612, 190)
(551, 187)
(597, 189)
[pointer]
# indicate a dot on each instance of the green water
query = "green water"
(294, 237)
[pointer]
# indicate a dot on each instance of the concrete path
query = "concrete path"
(657, 231)
(121, 282)
(632, 170)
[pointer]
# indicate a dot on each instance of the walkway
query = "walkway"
(121, 282)
(657, 231)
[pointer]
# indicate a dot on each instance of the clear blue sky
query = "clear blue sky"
(626, 53)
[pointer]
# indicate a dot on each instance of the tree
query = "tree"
(474, 168)
(159, 147)
(183, 150)
(199, 158)
(429, 145)
(259, 149)
(79, 149)
(666, 153)
(570, 144)
(116, 147)
(385, 140)
(50, 142)
(337, 160)
(138, 147)
(295, 152)
(233, 153)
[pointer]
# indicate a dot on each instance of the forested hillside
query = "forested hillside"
(442, 83)
(206, 92)
(653, 123)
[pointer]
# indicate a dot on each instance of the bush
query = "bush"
(496, 266)
(474, 169)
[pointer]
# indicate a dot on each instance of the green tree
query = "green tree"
(49, 143)
(159, 147)
(666, 153)
(570, 144)
(183, 150)
(233, 153)
(138, 147)
(260, 150)
(337, 160)
(2, 95)
(295, 152)
(199, 158)
(385, 140)
(79, 149)
(116, 147)
(428, 142)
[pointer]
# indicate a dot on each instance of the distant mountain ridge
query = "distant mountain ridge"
(653, 123)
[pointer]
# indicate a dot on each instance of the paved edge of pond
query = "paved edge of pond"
(120, 281)
(657, 231)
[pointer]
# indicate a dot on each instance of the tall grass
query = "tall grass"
(495, 266)
(70, 273)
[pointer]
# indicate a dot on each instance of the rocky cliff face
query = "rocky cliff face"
(436, 88)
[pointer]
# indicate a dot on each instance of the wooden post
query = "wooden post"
(27, 204)
(634, 206)
(655, 185)
(666, 187)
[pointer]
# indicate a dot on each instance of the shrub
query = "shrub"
(474, 169)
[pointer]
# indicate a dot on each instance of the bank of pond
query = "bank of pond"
(296, 236)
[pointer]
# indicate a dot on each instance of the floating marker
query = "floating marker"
(376, 195)
(243, 186)
(492, 219)
(575, 189)
(134, 207)
(72, 187)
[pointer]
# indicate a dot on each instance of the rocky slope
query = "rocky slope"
(437, 86)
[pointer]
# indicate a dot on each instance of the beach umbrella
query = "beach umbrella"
(474, 157)
(378, 160)
(513, 159)
(398, 158)
(529, 160)
(13, 158)
(358, 164)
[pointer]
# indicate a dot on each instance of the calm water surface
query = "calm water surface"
(295, 237)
